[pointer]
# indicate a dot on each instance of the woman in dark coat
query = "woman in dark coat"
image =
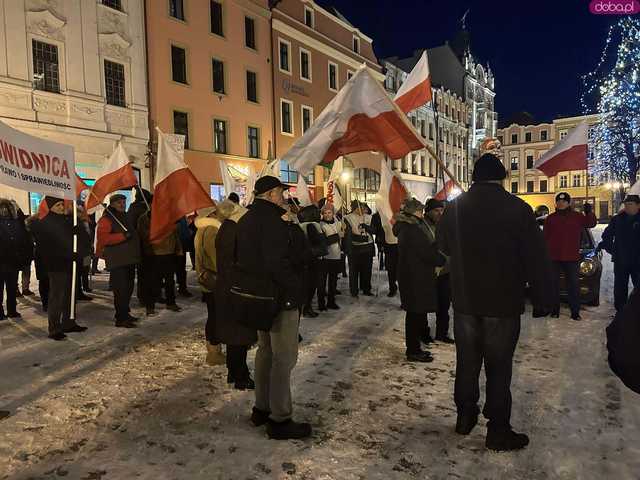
(15, 253)
(418, 257)
(235, 336)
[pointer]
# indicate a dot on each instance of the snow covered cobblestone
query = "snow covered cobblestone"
(125, 404)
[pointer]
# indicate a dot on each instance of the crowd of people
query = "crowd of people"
(263, 267)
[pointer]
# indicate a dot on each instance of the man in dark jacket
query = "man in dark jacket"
(623, 338)
(119, 245)
(144, 270)
(360, 249)
(309, 218)
(15, 252)
(418, 257)
(492, 259)
(54, 242)
(563, 233)
(186, 235)
(621, 239)
(387, 244)
(264, 256)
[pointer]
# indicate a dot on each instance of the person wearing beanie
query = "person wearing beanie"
(331, 263)
(387, 244)
(563, 233)
(418, 257)
(359, 248)
(492, 259)
(621, 239)
(433, 210)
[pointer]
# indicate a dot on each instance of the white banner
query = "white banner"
(35, 165)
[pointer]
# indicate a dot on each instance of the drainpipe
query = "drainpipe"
(150, 154)
(273, 4)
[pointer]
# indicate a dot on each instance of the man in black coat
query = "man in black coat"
(493, 257)
(621, 239)
(264, 257)
(623, 338)
(15, 252)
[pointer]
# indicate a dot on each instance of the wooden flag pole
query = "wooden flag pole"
(74, 264)
(443, 166)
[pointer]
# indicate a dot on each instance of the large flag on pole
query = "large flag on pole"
(391, 194)
(416, 89)
(446, 191)
(176, 191)
(570, 153)
(361, 117)
(333, 193)
(302, 192)
(117, 174)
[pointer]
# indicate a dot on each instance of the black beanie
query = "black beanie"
(488, 168)
(51, 201)
(432, 204)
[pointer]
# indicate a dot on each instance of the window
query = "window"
(308, 17)
(446, 110)
(305, 64)
(563, 133)
(514, 163)
(543, 186)
(356, 44)
(250, 32)
(413, 121)
(576, 180)
(216, 192)
(423, 128)
(390, 82)
(350, 75)
(514, 187)
(253, 138)
(216, 18)
(179, 64)
(218, 76)
(220, 136)
(500, 139)
(252, 86)
(430, 131)
(287, 175)
(307, 118)
(543, 135)
(527, 137)
(366, 179)
(333, 76)
(530, 184)
(529, 161)
(114, 83)
(181, 126)
(115, 4)
(286, 120)
(514, 138)
(414, 164)
(176, 9)
(564, 181)
(45, 67)
(423, 165)
(285, 55)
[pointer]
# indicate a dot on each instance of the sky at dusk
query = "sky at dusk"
(537, 49)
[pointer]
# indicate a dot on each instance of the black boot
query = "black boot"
(445, 339)
(466, 422)
(333, 306)
(502, 440)
(309, 312)
(247, 384)
(421, 357)
(288, 430)
(259, 417)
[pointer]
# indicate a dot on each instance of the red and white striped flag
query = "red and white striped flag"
(333, 193)
(570, 153)
(117, 174)
(391, 194)
(176, 192)
(416, 89)
(361, 117)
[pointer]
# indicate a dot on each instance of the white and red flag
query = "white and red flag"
(570, 153)
(361, 117)
(391, 194)
(416, 89)
(333, 193)
(117, 174)
(176, 191)
(302, 192)
(446, 191)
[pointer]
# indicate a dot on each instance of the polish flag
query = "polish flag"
(361, 117)
(302, 192)
(570, 153)
(391, 194)
(228, 182)
(416, 89)
(176, 191)
(448, 188)
(117, 174)
(333, 193)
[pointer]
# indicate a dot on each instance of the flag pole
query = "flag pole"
(443, 166)
(110, 213)
(74, 265)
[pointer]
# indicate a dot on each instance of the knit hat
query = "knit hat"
(412, 206)
(116, 197)
(51, 201)
(233, 196)
(632, 198)
(563, 196)
(432, 204)
(488, 168)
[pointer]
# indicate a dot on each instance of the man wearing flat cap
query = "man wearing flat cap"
(621, 239)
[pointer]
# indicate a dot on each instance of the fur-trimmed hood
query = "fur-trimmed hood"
(204, 222)
(228, 210)
(11, 206)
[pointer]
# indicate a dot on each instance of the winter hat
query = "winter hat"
(116, 197)
(233, 196)
(266, 183)
(632, 198)
(432, 204)
(563, 196)
(413, 205)
(488, 168)
(51, 201)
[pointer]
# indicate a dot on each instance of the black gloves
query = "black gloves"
(587, 208)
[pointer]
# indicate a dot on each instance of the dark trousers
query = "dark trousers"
(570, 270)
(492, 340)
(237, 362)
(146, 273)
(181, 271)
(622, 273)
(94, 264)
(327, 286)
(210, 326)
(414, 324)
(164, 270)
(43, 290)
(443, 286)
(59, 298)
(391, 264)
(360, 266)
(9, 280)
(312, 278)
(122, 282)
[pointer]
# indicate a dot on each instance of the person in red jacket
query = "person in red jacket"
(563, 231)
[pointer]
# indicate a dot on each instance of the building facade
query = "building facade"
(74, 72)
(210, 80)
(523, 145)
